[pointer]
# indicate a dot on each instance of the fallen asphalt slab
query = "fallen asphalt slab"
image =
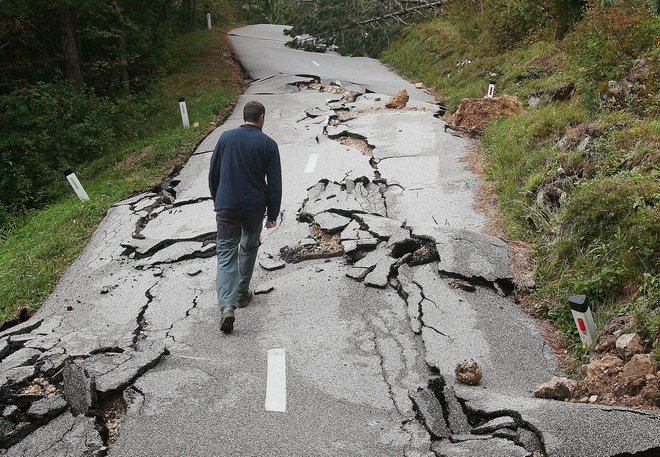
(350, 347)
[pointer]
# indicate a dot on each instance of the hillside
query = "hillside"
(575, 177)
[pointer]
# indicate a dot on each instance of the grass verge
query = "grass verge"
(38, 247)
(577, 178)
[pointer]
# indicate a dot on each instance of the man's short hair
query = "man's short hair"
(252, 111)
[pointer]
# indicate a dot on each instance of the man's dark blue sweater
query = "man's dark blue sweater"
(245, 172)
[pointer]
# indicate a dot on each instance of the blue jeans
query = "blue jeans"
(237, 246)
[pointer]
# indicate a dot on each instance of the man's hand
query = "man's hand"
(271, 224)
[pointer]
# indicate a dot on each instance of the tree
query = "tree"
(69, 45)
(356, 27)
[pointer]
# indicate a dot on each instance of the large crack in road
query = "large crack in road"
(381, 282)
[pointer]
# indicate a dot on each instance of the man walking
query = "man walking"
(245, 181)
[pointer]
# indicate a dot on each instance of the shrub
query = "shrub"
(47, 128)
(508, 23)
(609, 38)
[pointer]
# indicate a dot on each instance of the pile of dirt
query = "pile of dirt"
(474, 114)
(322, 246)
(620, 371)
(347, 95)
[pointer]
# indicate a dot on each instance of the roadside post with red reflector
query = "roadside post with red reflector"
(491, 90)
(584, 320)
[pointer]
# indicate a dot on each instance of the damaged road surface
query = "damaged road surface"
(376, 282)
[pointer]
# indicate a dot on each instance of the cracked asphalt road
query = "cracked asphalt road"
(364, 309)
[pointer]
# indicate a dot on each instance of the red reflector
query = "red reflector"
(581, 325)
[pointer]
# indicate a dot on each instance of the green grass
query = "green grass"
(604, 238)
(40, 246)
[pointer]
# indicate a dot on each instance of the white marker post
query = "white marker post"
(584, 320)
(208, 20)
(184, 112)
(491, 90)
(77, 187)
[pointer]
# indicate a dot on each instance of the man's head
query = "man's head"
(254, 113)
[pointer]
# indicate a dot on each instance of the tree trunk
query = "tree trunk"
(162, 12)
(69, 47)
(123, 61)
(239, 10)
(188, 15)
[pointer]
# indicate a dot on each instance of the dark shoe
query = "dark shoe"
(243, 298)
(227, 319)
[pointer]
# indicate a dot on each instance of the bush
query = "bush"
(606, 241)
(47, 128)
(508, 23)
(609, 38)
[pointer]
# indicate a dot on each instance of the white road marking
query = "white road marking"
(311, 163)
(276, 381)
(315, 63)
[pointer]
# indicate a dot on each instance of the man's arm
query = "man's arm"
(274, 190)
(214, 170)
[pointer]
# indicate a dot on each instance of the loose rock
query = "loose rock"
(605, 365)
(468, 372)
(399, 100)
(556, 389)
(640, 366)
(628, 345)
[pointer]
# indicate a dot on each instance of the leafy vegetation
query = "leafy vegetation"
(72, 81)
(352, 27)
(37, 246)
(576, 177)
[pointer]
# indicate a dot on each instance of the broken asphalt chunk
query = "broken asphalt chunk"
(25, 327)
(47, 407)
(271, 264)
(63, 436)
(192, 222)
(495, 424)
(79, 389)
(4, 347)
(115, 371)
(494, 447)
(20, 358)
(351, 196)
(263, 289)
(17, 375)
(473, 255)
(456, 418)
(430, 412)
(469, 254)
(331, 223)
(10, 411)
(382, 227)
